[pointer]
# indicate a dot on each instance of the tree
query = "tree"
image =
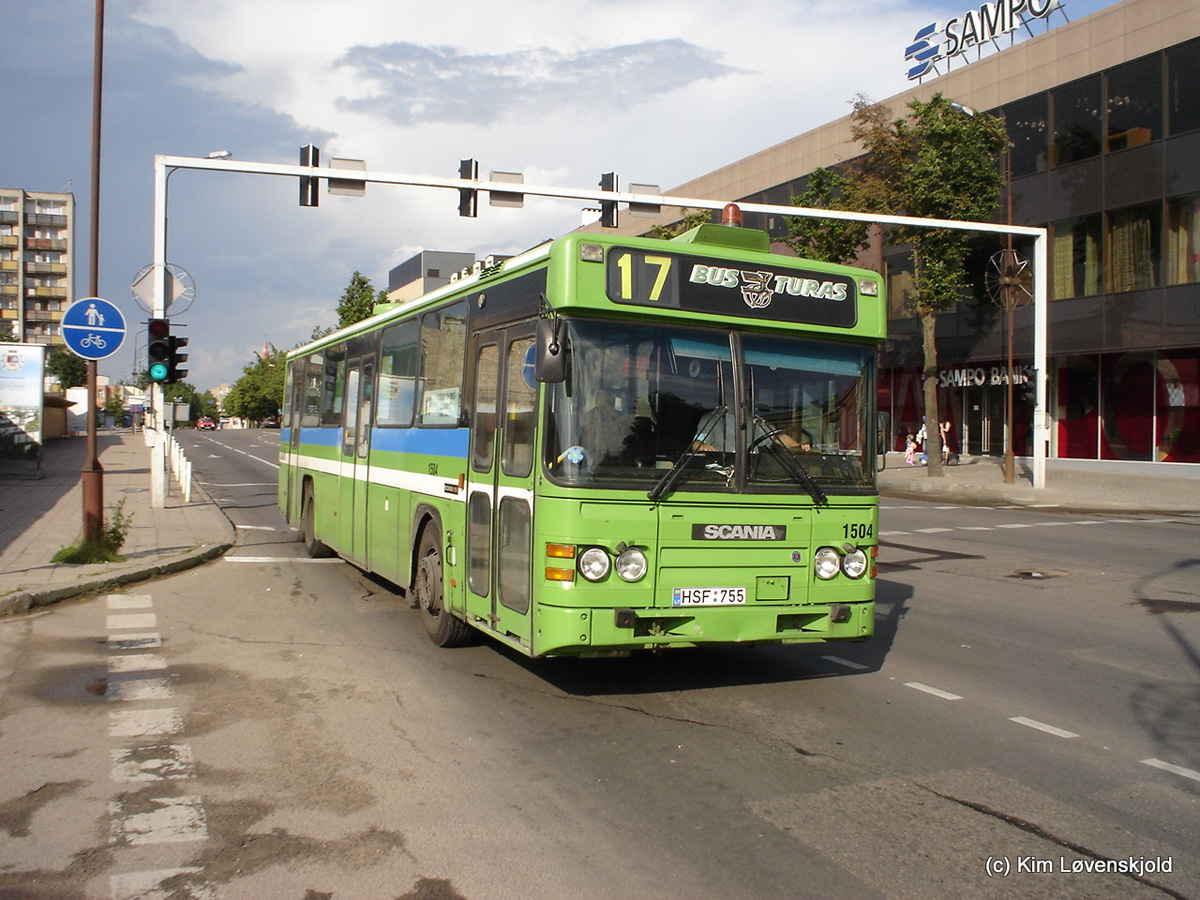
(826, 240)
(358, 300)
(259, 392)
(70, 370)
(6, 332)
(942, 162)
(689, 221)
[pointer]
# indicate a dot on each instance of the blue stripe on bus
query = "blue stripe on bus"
(430, 441)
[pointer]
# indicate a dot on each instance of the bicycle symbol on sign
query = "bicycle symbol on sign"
(92, 340)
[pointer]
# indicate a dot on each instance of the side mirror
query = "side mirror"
(551, 364)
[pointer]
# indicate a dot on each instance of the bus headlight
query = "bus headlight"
(631, 564)
(594, 563)
(827, 562)
(854, 564)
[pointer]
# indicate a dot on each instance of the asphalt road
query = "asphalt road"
(1030, 704)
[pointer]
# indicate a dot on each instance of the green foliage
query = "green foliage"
(69, 369)
(259, 392)
(6, 332)
(689, 221)
(826, 240)
(358, 301)
(939, 162)
(107, 548)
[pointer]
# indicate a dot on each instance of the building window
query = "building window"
(1026, 122)
(1183, 241)
(1077, 121)
(901, 286)
(1134, 104)
(1133, 248)
(1075, 257)
(1183, 87)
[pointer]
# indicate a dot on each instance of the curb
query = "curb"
(23, 601)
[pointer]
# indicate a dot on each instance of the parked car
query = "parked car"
(206, 423)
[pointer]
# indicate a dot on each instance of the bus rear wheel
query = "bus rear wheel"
(443, 629)
(317, 549)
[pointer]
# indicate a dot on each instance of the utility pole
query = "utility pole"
(93, 472)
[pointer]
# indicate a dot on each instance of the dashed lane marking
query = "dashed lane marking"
(154, 763)
(139, 641)
(140, 689)
(143, 722)
(1042, 726)
(129, 601)
(848, 663)
(136, 662)
(1173, 769)
(254, 527)
(945, 695)
(173, 820)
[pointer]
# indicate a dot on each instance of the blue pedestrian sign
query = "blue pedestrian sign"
(93, 328)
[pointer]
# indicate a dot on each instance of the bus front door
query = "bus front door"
(500, 493)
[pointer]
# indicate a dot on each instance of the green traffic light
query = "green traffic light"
(158, 372)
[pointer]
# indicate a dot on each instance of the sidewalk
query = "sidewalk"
(1076, 485)
(40, 516)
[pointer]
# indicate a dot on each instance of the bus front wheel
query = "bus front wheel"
(443, 629)
(317, 549)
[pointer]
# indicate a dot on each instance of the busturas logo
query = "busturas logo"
(739, 532)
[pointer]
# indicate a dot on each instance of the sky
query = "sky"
(560, 90)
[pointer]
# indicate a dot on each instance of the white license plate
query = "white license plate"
(708, 596)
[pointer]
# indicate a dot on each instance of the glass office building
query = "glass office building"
(1104, 118)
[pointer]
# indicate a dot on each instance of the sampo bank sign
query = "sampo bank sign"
(955, 37)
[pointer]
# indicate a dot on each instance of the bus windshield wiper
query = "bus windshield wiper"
(795, 469)
(675, 473)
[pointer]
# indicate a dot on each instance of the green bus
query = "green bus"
(605, 444)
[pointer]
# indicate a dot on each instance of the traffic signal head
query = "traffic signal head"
(310, 187)
(468, 198)
(608, 208)
(158, 350)
(175, 359)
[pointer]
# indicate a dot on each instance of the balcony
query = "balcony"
(45, 243)
(9, 265)
(59, 293)
(9, 217)
(10, 240)
(42, 268)
(43, 315)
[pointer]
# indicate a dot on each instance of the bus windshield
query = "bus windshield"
(662, 407)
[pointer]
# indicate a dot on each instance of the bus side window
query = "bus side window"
(333, 387)
(314, 371)
(398, 374)
(443, 347)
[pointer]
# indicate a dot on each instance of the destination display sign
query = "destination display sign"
(721, 287)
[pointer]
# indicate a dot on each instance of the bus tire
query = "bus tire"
(443, 629)
(308, 534)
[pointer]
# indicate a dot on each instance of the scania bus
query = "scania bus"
(605, 444)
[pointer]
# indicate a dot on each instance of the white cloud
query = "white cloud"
(560, 90)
